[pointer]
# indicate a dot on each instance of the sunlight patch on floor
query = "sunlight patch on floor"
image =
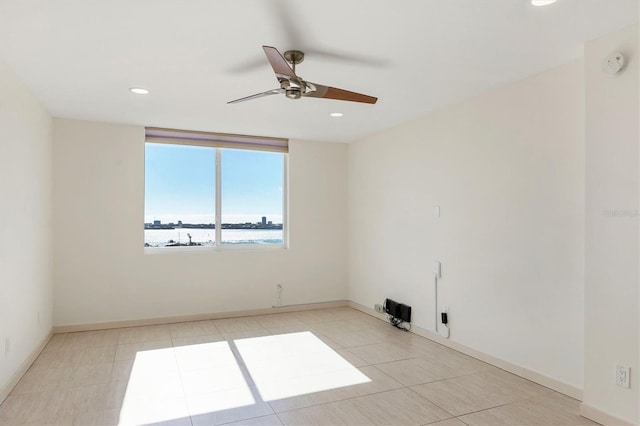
(288, 365)
(212, 382)
(175, 383)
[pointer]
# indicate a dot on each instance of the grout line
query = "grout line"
(278, 416)
(409, 388)
(339, 400)
(448, 378)
(354, 397)
(173, 351)
(461, 421)
(427, 399)
(484, 409)
(499, 406)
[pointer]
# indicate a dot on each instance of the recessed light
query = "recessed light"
(336, 114)
(542, 2)
(139, 91)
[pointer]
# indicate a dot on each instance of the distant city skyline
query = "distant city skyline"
(264, 220)
(263, 224)
(205, 219)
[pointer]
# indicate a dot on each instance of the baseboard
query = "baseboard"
(525, 373)
(601, 417)
(6, 390)
(197, 317)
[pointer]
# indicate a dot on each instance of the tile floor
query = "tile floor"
(325, 367)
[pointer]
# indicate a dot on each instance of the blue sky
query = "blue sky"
(180, 184)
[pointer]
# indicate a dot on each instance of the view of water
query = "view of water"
(207, 237)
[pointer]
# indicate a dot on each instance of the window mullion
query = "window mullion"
(218, 198)
(285, 200)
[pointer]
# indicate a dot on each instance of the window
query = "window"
(216, 191)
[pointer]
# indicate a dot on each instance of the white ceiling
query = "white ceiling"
(80, 57)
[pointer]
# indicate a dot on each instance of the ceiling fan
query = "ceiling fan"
(294, 87)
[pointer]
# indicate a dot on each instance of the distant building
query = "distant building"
(159, 225)
(264, 220)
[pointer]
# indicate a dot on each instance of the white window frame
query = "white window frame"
(218, 142)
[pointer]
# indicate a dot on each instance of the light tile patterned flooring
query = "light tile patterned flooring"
(89, 378)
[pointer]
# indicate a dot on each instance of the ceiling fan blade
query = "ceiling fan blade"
(257, 95)
(278, 63)
(248, 66)
(344, 57)
(296, 34)
(285, 18)
(328, 92)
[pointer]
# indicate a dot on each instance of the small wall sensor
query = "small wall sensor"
(437, 269)
(613, 64)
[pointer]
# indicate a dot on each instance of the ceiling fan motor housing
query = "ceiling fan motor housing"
(293, 93)
(293, 89)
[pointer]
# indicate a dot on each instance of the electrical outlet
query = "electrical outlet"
(622, 376)
(7, 346)
(445, 311)
(278, 295)
(379, 308)
(443, 328)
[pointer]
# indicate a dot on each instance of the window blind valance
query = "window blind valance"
(220, 140)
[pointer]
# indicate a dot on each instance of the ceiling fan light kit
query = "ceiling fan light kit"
(294, 87)
(139, 90)
(540, 3)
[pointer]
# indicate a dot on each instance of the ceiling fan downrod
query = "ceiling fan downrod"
(294, 57)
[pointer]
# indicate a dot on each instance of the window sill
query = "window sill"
(220, 248)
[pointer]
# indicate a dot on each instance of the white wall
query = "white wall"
(507, 169)
(102, 273)
(25, 224)
(611, 292)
